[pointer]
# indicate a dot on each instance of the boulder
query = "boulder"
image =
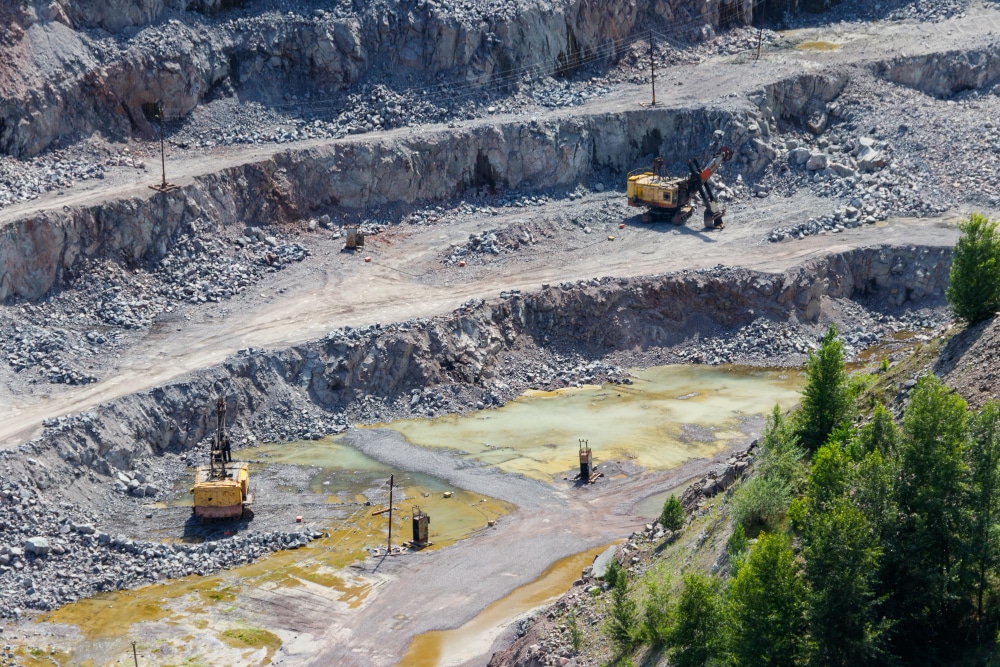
(38, 546)
(798, 156)
(870, 159)
(842, 170)
(818, 162)
(602, 562)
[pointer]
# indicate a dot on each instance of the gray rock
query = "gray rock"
(818, 162)
(38, 546)
(842, 170)
(798, 156)
(602, 562)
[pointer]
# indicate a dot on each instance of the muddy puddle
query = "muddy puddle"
(453, 647)
(670, 414)
(203, 620)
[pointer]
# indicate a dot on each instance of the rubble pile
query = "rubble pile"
(52, 553)
(59, 339)
(491, 242)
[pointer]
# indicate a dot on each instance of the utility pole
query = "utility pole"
(652, 69)
(135, 656)
(388, 548)
(163, 186)
(163, 152)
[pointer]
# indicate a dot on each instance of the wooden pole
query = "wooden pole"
(163, 157)
(388, 548)
(652, 69)
(760, 38)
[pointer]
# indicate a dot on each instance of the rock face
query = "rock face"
(36, 252)
(349, 367)
(75, 84)
(944, 74)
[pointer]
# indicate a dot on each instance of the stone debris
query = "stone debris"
(52, 553)
(59, 339)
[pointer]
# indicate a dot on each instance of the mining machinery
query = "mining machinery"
(670, 198)
(222, 488)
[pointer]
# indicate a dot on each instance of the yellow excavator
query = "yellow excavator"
(222, 488)
(669, 198)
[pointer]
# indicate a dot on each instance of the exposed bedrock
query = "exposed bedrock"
(38, 252)
(327, 380)
(72, 84)
(945, 74)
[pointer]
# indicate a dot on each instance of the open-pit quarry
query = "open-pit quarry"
(507, 305)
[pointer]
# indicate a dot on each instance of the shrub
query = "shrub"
(673, 515)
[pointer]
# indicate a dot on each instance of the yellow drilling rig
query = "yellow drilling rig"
(222, 488)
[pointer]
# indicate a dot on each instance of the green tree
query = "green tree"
(880, 433)
(694, 640)
(657, 611)
(841, 553)
(825, 398)
(984, 499)
(779, 455)
(737, 548)
(614, 573)
(673, 515)
(926, 585)
(762, 500)
(875, 479)
(766, 604)
(829, 477)
(974, 285)
(623, 623)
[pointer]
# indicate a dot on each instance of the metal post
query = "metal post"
(652, 69)
(388, 548)
(163, 157)
(760, 38)
(135, 656)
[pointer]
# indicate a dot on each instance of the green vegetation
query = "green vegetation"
(825, 398)
(623, 624)
(880, 547)
(673, 515)
(253, 637)
(575, 632)
(762, 501)
(974, 286)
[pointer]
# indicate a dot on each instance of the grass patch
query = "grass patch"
(252, 638)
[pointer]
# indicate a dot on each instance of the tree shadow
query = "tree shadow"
(958, 345)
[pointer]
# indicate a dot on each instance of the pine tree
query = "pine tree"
(974, 286)
(841, 553)
(927, 587)
(673, 515)
(984, 500)
(825, 398)
(623, 624)
(766, 604)
(694, 640)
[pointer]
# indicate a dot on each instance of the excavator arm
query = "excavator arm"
(699, 178)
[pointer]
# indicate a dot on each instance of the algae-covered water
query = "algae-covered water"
(670, 414)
